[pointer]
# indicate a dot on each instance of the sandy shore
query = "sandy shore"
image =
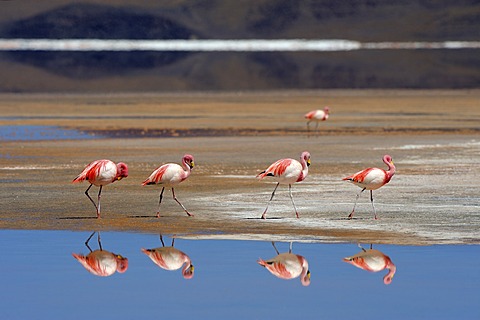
(433, 137)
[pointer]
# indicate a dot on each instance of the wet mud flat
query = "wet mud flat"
(432, 136)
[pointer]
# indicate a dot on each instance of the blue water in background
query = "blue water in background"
(41, 279)
(35, 133)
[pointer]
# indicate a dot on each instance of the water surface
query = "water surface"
(40, 279)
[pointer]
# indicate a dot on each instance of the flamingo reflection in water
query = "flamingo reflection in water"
(100, 262)
(170, 258)
(287, 266)
(373, 260)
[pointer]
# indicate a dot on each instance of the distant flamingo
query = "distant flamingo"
(169, 258)
(169, 175)
(373, 260)
(317, 116)
(287, 266)
(287, 171)
(102, 263)
(372, 179)
(101, 173)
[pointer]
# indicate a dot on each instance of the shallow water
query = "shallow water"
(33, 133)
(40, 279)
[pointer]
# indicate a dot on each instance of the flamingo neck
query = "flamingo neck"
(391, 168)
(391, 272)
(186, 169)
(305, 275)
(187, 270)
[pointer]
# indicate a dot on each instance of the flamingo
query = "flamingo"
(169, 175)
(373, 260)
(170, 258)
(372, 179)
(287, 171)
(317, 116)
(101, 173)
(287, 266)
(102, 263)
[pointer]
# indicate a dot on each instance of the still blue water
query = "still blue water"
(29, 133)
(41, 279)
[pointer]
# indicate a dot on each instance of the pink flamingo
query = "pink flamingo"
(101, 173)
(372, 179)
(170, 258)
(169, 175)
(317, 116)
(287, 266)
(102, 263)
(373, 260)
(287, 171)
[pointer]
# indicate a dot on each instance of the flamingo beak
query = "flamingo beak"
(308, 274)
(308, 162)
(192, 165)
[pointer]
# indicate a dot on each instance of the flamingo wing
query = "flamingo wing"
(168, 174)
(99, 172)
(371, 178)
(284, 170)
(167, 258)
(284, 266)
(371, 260)
(310, 114)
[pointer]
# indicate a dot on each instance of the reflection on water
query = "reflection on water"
(41, 280)
(287, 266)
(100, 262)
(170, 258)
(374, 261)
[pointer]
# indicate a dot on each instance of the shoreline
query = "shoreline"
(415, 208)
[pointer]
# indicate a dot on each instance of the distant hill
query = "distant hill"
(363, 20)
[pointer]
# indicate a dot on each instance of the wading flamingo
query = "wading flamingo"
(287, 171)
(287, 266)
(169, 258)
(169, 175)
(101, 173)
(371, 179)
(373, 260)
(317, 116)
(102, 263)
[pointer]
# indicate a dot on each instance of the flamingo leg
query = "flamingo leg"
(290, 248)
(91, 200)
(291, 197)
(161, 239)
(273, 193)
(159, 203)
(86, 242)
(350, 216)
(175, 198)
(316, 128)
(276, 250)
(374, 211)
(99, 241)
(99, 196)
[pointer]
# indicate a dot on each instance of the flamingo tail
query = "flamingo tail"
(79, 178)
(147, 182)
(262, 262)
